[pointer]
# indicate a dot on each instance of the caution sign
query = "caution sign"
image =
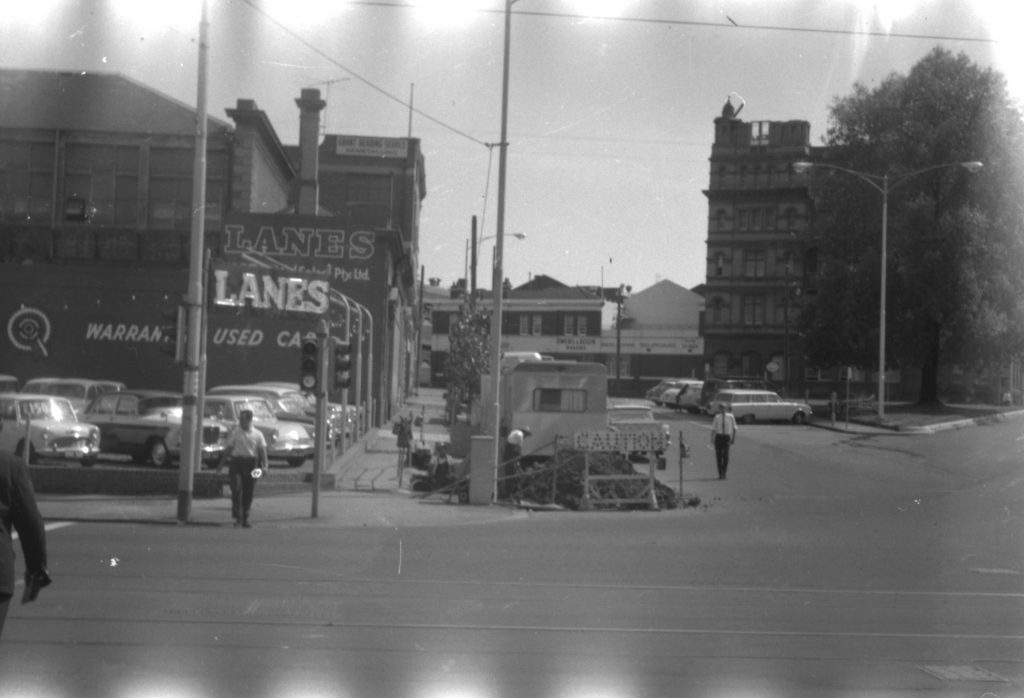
(619, 441)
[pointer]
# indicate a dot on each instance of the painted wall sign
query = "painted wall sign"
(304, 244)
(367, 146)
(268, 290)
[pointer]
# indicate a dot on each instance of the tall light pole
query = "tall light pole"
(884, 185)
(476, 255)
(499, 274)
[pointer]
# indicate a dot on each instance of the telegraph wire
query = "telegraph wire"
(360, 78)
(731, 24)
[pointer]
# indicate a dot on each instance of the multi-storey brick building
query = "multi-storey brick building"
(96, 177)
(762, 257)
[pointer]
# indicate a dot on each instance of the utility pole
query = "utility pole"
(191, 420)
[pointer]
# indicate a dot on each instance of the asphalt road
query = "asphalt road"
(827, 565)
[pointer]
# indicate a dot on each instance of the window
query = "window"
(106, 179)
(170, 188)
(369, 189)
(753, 311)
(717, 310)
(559, 400)
(759, 132)
(26, 181)
(524, 324)
(574, 325)
(753, 264)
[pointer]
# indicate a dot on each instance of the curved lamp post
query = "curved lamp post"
(884, 184)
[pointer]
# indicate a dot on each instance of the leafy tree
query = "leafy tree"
(955, 290)
(468, 355)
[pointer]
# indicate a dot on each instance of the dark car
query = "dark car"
(146, 425)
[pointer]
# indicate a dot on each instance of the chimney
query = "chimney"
(310, 106)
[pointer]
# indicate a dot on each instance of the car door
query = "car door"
(774, 408)
(101, 413)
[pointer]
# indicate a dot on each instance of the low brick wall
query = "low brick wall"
(122, 481)
(141, 482)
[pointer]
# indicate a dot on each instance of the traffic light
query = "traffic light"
(309, 369)
(172, 332)
(342, 369)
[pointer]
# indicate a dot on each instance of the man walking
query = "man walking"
(18, 510)
(723, 435)
(247, 457)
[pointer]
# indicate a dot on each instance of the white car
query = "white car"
(78, 391)
(51, 425)
(637, 418)
(683, 397)
(289, 441)
(760, 405)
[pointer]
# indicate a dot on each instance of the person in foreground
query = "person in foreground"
(723, 435)
(18, 512)
(246, 453)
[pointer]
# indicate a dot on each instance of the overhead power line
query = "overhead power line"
(373, 86)
(730, 24)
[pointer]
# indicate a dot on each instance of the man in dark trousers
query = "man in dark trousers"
(246, 452)
(723, 435)
(18, 512)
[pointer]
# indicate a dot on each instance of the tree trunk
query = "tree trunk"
(929, 392)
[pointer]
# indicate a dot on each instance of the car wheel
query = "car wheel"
(32, 458)
(296, 462)
(88, 461)
(799, 418)
(747, 419)
(157, 452)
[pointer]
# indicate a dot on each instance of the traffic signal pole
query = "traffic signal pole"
(323, 340)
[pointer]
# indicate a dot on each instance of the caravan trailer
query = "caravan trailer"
(552, 399)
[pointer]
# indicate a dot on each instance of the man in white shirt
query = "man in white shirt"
(246, 452)
(723, 435)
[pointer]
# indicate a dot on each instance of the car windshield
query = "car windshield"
(157, 404)
(56, 410)
(69, 390)
(260, 408)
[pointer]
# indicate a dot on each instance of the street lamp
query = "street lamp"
(476, 254)
(884, 185)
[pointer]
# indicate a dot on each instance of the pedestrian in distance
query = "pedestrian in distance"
(402, 429)
(19, 512)
(246, 453)
(723, 435)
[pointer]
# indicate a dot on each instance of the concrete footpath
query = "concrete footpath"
(366, 491)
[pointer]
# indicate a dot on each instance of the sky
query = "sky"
(610, 111)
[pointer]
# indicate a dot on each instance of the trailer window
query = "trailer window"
(558, 400)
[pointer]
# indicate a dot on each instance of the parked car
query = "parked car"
(286, 440)
(761, 405)
(683, 397)
(52, 427)
(637, 417)
(712, 386)
(338, 417)
(8, 383)
(146, 425)
(78, 391)
(653, 394)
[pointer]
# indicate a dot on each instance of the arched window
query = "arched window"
(720, 363)
(751, 364)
